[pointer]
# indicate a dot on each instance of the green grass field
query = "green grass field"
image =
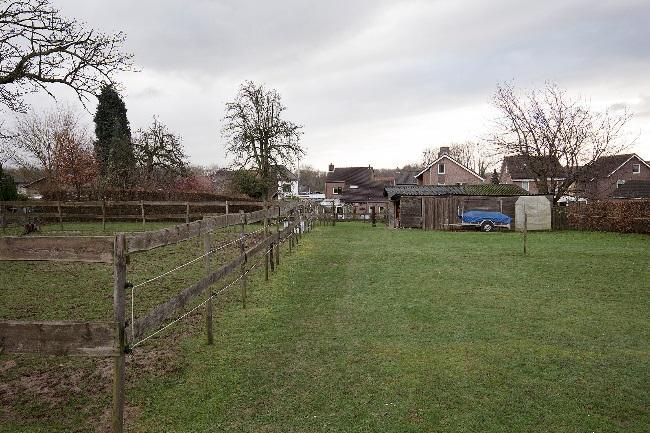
(376, 330)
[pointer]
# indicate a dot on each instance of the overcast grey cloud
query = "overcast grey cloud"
(374, 82)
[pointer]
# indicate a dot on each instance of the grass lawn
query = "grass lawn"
(378, 330)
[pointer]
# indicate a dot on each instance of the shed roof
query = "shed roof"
(502, 190)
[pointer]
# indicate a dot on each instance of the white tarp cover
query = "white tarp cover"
(538, 209)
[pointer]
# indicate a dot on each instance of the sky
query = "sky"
(373, 82)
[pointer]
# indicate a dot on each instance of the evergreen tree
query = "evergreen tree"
(495, 178)
(8, 189)
(113, 148)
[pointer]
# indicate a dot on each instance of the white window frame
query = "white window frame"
(636, 168)
(527, 183)
(334, 188)
(620, 182)
(441, 164)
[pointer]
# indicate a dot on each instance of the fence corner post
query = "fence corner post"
(119, 274)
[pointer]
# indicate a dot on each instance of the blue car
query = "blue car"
(486, 221)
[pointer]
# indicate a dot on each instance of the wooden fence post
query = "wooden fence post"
(242, 249)
(333, 214)
(277, 235)
(3, 217)
(207, 247)
(119, 275)
(103, 215)
(266, 233)
(525, 231)
(187, 212)
(373, 216)
(58, 206)
(142, 212)
(226, 207)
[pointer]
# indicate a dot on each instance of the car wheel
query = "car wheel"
(487, 226)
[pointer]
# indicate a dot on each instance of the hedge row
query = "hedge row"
(624, 216)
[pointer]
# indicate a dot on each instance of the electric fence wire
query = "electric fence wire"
(212, 295)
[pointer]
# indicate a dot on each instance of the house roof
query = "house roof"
(633, 189)
(451, 159)
(283, 173)
(502, 190)
(405, 178)
(351, 175)
(370, 192)
(605, 166)
(519, 166)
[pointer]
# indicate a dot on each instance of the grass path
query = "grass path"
(377, 330)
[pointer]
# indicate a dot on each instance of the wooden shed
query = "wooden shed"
(434, 207)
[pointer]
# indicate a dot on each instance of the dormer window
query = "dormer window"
(636, 168)
(337, 190)
(441, 168)
(620, 183)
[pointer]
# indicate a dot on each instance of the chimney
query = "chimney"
(443, 151)
(331, 167)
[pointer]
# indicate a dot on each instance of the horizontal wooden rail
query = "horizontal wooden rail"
(93, 249)
(108, 203)
(58, 337)
(149, 240)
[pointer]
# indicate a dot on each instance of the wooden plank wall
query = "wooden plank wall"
(410, 212)
(441, 211)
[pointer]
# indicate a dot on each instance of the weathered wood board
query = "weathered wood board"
(93, 249)
(58, 337)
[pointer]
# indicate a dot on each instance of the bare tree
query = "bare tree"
(38, 135)
(75, 162)
(39, 48)
(256, 134)
(158, 148)
(473, 155)
(559, 138)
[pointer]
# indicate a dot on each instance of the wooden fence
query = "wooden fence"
(22, 212)
(116, 338)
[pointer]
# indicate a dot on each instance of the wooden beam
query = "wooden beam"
(57, 337)
(93, 249)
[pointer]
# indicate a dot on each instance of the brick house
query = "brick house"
(603, 177)
(447, 171)
(356, 189)
(520, 170)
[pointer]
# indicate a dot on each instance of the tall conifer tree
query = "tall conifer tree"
(113, 148)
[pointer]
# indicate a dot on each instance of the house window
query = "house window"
(337, 190)
(636, 168)
(441, 168)
(525, 185)
(620, 183)
(441, 183)
(286, 187)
